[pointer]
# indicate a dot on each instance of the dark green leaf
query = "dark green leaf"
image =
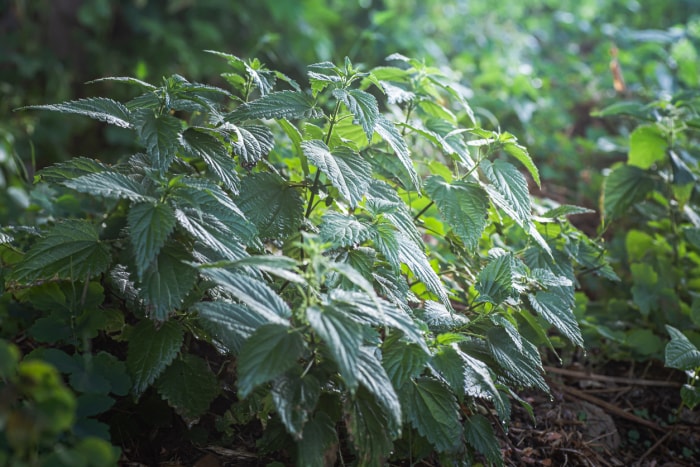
(363, 106)
(343, 231)
(520, 365)
(566, 210)
(200, 145)
(99, 108)
(270, 351)
(70, 169)
(520, 153)
(623, 187)
(151, 350)
(295, 399)
(556, 305)
(252, 143)
(373, 377)
(680, 352)
(479, 434)
(478, 382)
(231, 323)
(496, 282)
(387, 130)
(150, 225)
(414, 257)
(367, 427)
(402, 360)
(508, 190)
(318, 443)
(188, 385)
(283, 104)
(125, 79)
(160, 135)
(635, 109)
(111, 185)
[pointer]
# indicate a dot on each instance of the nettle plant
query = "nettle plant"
(379, 273)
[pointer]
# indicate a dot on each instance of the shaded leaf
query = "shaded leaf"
(159, 134)
(623, 187)
(188, 385)
(387, 130)
(70, 169)
(372, 376)
(496, 281)
(402, 360)
(295, 399)
(680, 352)
(112, 185)
(200, 145)
(367, 428)
(318, 442)
(522, 366)
(479, 434)
(508, 190)
(150, 225)
(151, 350)
(556, 305)
(520, 153)
(253, 142)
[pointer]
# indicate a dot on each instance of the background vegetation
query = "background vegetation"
(601, 92)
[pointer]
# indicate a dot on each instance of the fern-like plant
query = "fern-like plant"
(366, 251)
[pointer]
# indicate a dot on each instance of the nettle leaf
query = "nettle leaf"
(254, 293)
(508, 190)
(647, 146)
(188, 385)
(295, 399)
(69, 250)
(556, 305)
(271, 204)
(478, 382)
(150, 225)
(151, 350)
(343, 339)
(396, 94)
(413, 256)
(73, 168)
(282, 104)
(212, 232)
(479, 434)
(522, 366)
(343, 231)
(159, 134)
(625, 186)
(345, 168)
(496, 281)
(463, 205)
(98, 108)
(200, 145)
(566, 210)
(363, 106)
(402, 360)
(318, 442)
(367, 428)
(125, 79)
(432, 410)
(269, 352)
(520, 153)
(167, 281)
(389, 133)
(680, 352)
(439, 319)
(373, 377)
(111, 185)
(253, 142)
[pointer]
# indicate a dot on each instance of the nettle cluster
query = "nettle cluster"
(369, 257)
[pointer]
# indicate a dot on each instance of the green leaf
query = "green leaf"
(432, 410)
(463, 205)
(363, 106)
(690, 395)
(272, 205)
(496, 281)
(270, 351)
(367, 427)
(479, 434)
(200, 145)
(623, 187)
(283, 104)
(645, 289)
(387, 130)
(110, 185)
(508, 190)
(343, 231)
(231, 323)
(343, 338)
(523, 365)
(680, 352)
(70, 169)
(160, 135)
(151, 350)
(556, 305)
(295, 399)
(150, 225)
(212, 232)
(634, 109)
(125, 79)
(478, 382)
(69, 250)
(98, 108)
(566, 210)
(252, 143)
(167, 281)
(414, 257)
(647, 146)
(439, 319)
(345, 168)
(9, 359)
(402, 360)
(188, 385)
(520, 153)
(318, 442)
(373, 377)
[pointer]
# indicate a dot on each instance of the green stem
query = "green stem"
(422, 211)
(314, 187)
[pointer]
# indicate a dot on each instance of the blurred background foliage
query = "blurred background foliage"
(537, 68)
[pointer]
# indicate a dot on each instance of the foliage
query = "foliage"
(366, 252)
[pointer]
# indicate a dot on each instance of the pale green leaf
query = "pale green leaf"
(508, 190)
(200, 145)
(151, 350)
(463, 205)
(271, 204)
(363, 106)
(555, 305)
(647, 146)
(343, 338)
(69, 250)
(282, 104)
(372, 376)
(150, 225)
(367, 426)
(432, 410)
(389, 133)
(632, 108)
(396, 94)
(521, 366)
(269, 352)
(159, 134)
(167, 281)
(520, 153)
(479, 434)
(295, 399)
(318, 442)
(98, 108)
(680, 352)
(402, 360)
(623, 187)
(439, 319)
(343, 231)
(112, 185)
(188, 385)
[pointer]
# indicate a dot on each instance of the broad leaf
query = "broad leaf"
(212, 232)
(623, 187)
(387, 130)
(556, 305)
(647, 146)
(70, 169)
(414, 257)
(363, 106)
(283, 104)
(160, 135)
(151, 350)
(253, 142)
(432, 410)
(343, 231)
(402, 360)
(373, 377)
(508, 190)
(367, 426)
(343, 338)
(520, 153)
(680, 352)
(479, 434)
(496, 281)
(200, 145)
(271, 204)
(269, 352)
(150, 225)
(566, 210)
(318, 442)
(439, 319)
(295, 399)
(188, 385)
(99, 108)
(69, 250)
(463, 205)
(112, 185)
(478, 382)
(346, 169)
(522, 366)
